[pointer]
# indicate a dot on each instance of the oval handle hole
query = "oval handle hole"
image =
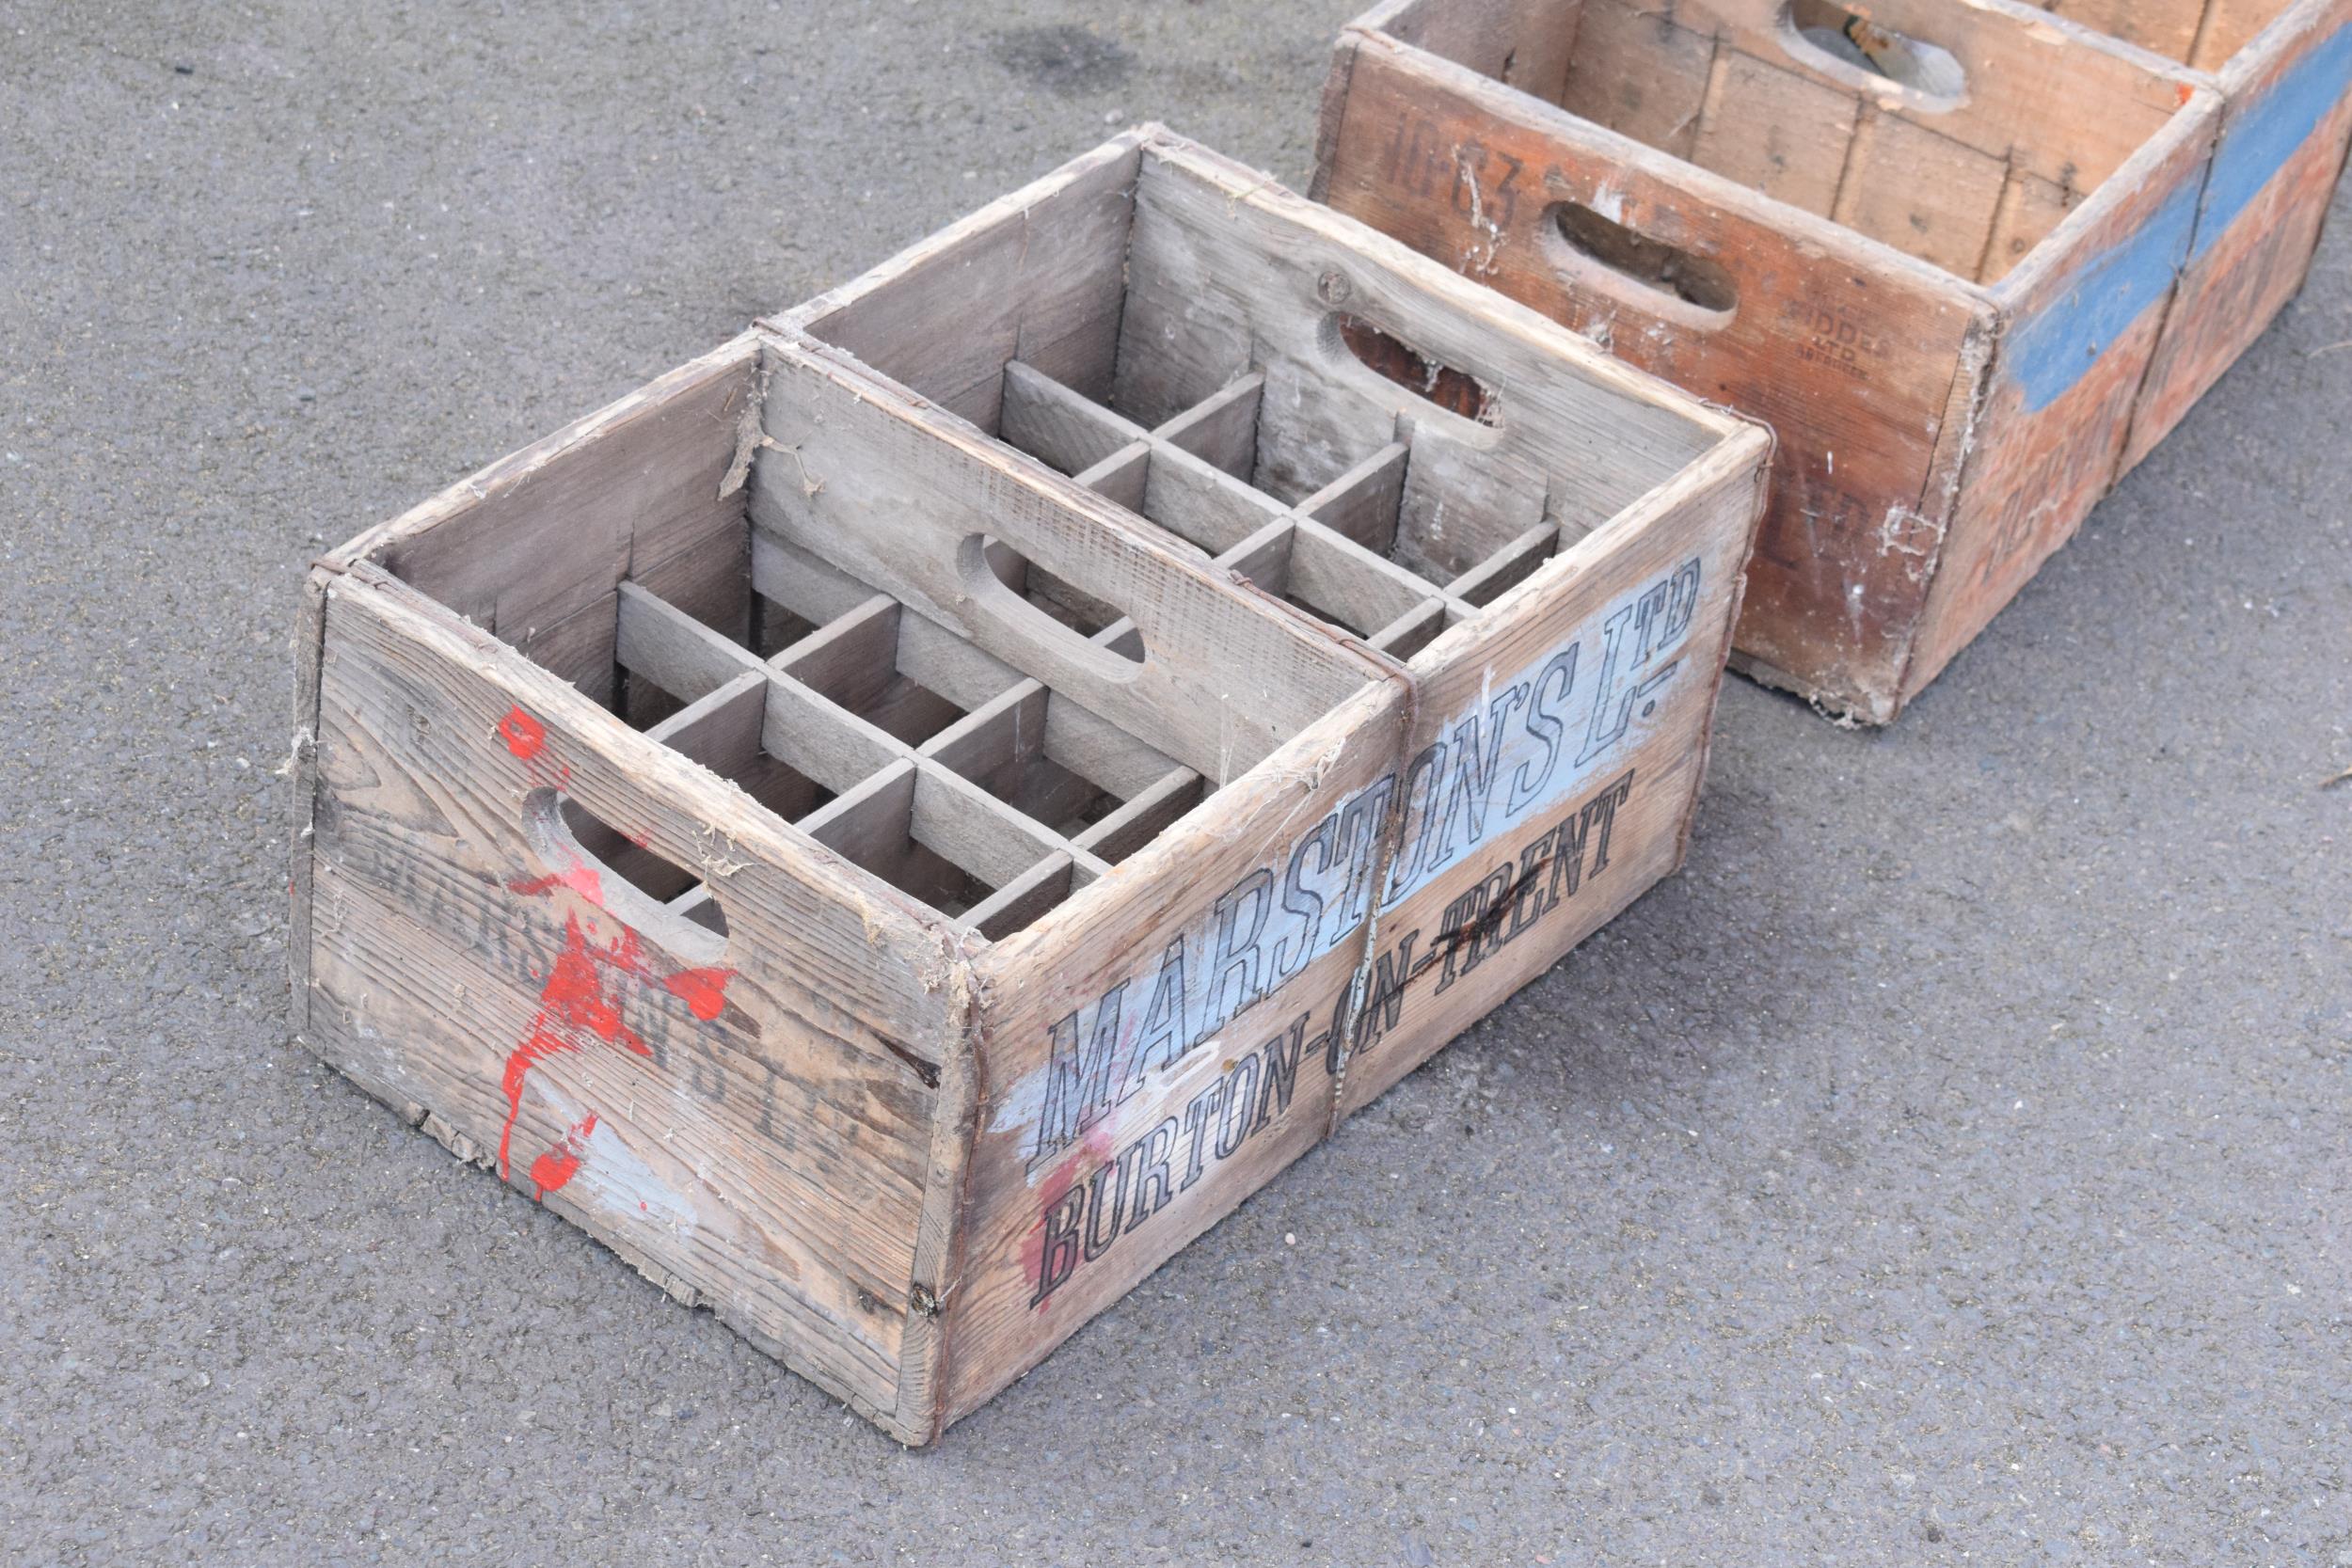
(663, 901)
(1054, 614)
(1835, 41)
(1458, 392)
(1702, 287)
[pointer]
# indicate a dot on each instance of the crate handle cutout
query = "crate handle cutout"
(658, 900)
(982, 562)
(1458, 392)
(1672, 282)
(1852, 48)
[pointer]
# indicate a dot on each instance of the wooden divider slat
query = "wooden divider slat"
(1412, 631)
(1023, 898)
(1507, 567)
(1048, 421)
(811, 733)
(1144, 815)
(1121, 475)
(1365, 502)
(851, 658)
(1197, 501)
(1363, 591)
(814, 588)
(1264, 557)
(1221, 428)
(971, 827)
(673, 649)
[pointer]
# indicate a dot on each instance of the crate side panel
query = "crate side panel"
(1036, 277)
(2169, 27)
(1782, 113)
(2232, 27)
(549, 531)
(1849, 359)
(1556, 758)
(2074, 347)
(2284, 128)
(389, 991)
(746, 1115)
(1221, 258)
(1152, 1055)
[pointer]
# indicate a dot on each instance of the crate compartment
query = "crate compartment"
(949, 774)
(821, 831)
(1934, 248)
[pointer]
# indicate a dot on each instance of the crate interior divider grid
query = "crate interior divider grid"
(945, 773)
(1332, 553)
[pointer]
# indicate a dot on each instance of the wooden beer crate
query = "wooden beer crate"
(1934, 248)
(2283, 68)
(895, 895)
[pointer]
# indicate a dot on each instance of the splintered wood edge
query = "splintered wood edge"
(303, 769)
(939, 1236)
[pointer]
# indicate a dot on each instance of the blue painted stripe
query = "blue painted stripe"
(2260, 137)
(2047, 354)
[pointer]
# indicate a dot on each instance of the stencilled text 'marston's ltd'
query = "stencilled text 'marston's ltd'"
(1082, 1217)
(1528, 745)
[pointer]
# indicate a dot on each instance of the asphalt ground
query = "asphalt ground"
(1951, 1165)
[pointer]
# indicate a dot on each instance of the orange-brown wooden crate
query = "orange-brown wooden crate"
(1944, 293)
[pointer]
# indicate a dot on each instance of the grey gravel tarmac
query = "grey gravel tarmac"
(1951, 1165)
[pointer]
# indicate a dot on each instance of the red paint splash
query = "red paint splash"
(581, 875)
(559, 1164)
(580, 1002)
(702, 990)
(582, 880)
(1082, 1161)
(524, 736)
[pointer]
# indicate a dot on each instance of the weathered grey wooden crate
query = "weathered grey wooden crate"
(1937, 262)
(896, 893)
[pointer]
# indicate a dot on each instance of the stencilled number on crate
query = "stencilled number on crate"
(1081, 1218)
(2022, 528)
(1485, 187)
(1568, 718)
(1832, 340)
(1416, 157)
(1479, 183)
